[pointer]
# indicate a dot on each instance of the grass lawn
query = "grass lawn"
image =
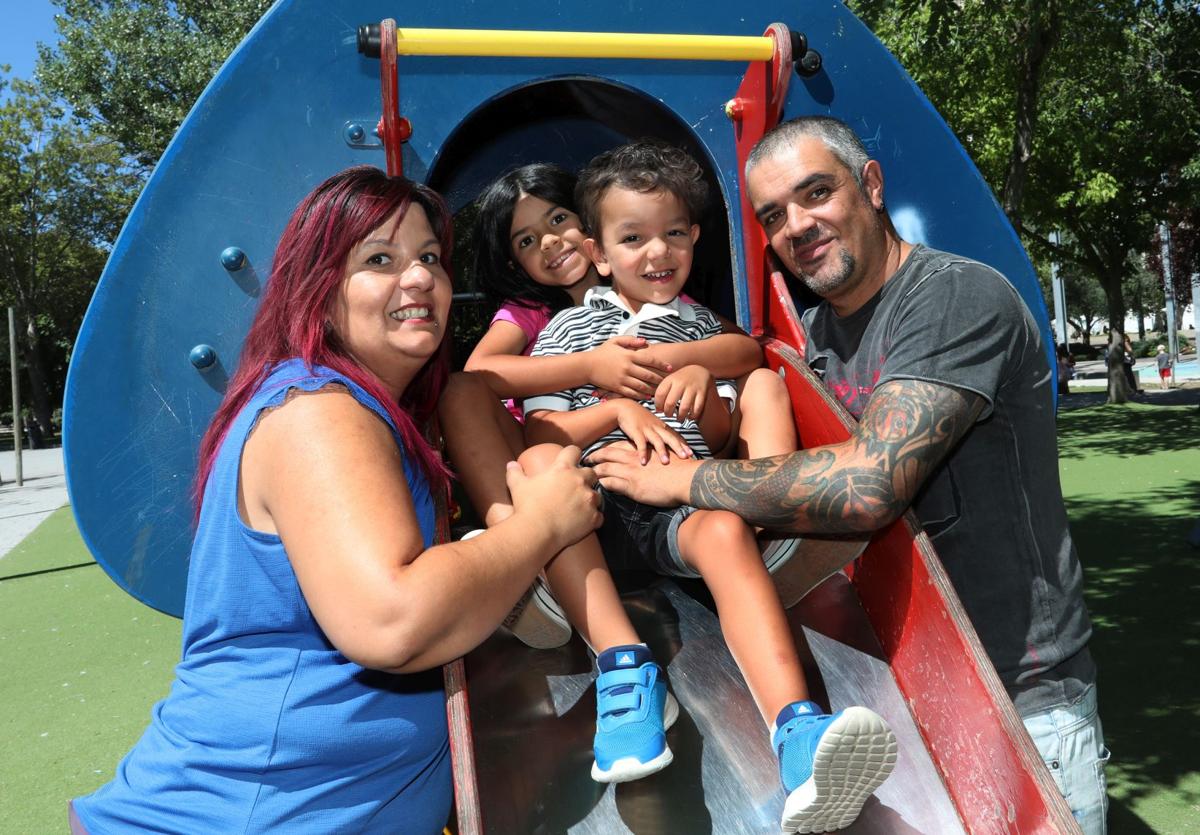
(83, 662)
(1131, 477)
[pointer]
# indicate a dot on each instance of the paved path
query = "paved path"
(44, 491)
(1090, 373)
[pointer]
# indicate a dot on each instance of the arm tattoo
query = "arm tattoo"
(859, 485)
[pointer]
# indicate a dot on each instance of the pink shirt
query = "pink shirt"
(531, 321)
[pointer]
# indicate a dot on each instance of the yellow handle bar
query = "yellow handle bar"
(530, 44)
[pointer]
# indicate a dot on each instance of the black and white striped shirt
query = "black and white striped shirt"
(602, 316)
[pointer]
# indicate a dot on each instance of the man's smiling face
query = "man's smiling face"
(824, 227)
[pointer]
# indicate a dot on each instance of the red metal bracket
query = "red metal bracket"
(755, 110)
(394, 129)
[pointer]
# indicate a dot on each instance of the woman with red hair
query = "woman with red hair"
(318, 612)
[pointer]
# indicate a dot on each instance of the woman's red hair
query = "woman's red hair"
(308, 269)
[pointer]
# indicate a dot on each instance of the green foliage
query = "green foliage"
(135, 67)
(1113, 125)
(76, 146)
(64, 192)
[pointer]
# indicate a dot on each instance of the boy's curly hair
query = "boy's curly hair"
(644, 165)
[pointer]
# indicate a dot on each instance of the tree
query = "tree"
(134, 68)
(64, 192)
(1083, 117)
(1085, 301)
(1185, 256)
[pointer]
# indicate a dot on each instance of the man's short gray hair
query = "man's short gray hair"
(841, 141)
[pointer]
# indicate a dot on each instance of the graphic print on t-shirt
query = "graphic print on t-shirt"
(853, 390)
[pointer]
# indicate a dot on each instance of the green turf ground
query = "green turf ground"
(1131, 477)
(83, 662)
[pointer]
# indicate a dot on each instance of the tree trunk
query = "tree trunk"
(1114, 353)
(42, 427)
(1114, 358)
(1038, 36)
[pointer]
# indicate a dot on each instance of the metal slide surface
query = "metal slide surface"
(533, 715)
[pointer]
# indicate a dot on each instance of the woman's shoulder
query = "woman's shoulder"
(322, 394)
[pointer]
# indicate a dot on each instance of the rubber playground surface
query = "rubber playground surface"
(83, 662)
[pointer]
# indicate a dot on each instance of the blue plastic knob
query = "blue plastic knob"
(203, 356)
(233, 259)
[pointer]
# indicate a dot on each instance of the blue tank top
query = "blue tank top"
(267, 727)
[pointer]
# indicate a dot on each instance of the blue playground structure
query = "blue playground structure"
(300, 99)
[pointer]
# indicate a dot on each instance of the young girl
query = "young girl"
(531, 261)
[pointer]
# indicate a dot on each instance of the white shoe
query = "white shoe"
(798, 565)
(537, 620)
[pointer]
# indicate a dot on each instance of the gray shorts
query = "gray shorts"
(639, 537)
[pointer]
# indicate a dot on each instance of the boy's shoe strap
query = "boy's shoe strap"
(615, 678)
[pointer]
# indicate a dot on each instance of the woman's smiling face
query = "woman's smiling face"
(547, 242)
(391, 311)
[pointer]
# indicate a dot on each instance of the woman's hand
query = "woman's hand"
(623, 365)
(562, 497)
(682, 394)
(647, 432)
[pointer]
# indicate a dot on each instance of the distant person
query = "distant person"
(1163, 360)
(1065, 368)
(1128, 362)
(318, 610)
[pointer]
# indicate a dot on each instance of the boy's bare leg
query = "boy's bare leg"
(716, 424)
(481, 438)
(580, 579)
(764, 426)
(722, 548)
(763, 421)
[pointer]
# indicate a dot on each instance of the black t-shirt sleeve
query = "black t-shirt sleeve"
(959, 326)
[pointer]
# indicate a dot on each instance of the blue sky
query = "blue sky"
(25, 23)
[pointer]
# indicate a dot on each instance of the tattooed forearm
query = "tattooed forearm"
(859, 485)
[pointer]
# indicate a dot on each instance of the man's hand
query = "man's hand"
(623, 366)
(661, 483)
(682, 394)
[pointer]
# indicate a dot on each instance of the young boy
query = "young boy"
(639, 201)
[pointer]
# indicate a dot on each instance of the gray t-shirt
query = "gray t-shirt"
(994, 508)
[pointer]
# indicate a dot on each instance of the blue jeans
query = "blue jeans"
(1070, 740)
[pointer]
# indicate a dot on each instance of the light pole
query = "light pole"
(1060, 296)
(1164, 236)
(16, 392)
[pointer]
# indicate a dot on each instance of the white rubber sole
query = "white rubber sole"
(537, 620)
(797, 566)
(631, 768)
(853, 758)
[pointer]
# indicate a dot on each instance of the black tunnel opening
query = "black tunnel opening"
(567, 122)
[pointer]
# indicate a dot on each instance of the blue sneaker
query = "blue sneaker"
(633, 712)
(830, 765)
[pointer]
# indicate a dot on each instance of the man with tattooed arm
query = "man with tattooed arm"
(945, 369)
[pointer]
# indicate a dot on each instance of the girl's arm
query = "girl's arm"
(325, 474)
(725, 355)
(618, 366)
